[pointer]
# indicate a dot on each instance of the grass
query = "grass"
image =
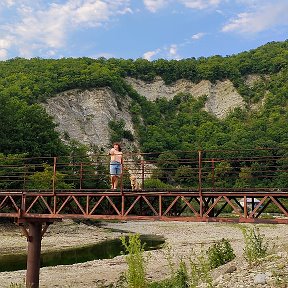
(256, 246)
(197, 270)
(189, 274)
(135, 276)
(16, 285)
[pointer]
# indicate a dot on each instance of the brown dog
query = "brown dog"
(134, 184)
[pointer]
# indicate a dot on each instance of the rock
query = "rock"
(219, 279)
(260, 278)
(84, 115)
(222, 97)
(231, 269)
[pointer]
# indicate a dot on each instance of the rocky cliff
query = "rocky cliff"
(84, 114)
(222, 96)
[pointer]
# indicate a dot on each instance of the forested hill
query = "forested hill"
(180, 123)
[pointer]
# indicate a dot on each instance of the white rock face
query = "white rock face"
(85, 114)
(222, 97)
(158, 89)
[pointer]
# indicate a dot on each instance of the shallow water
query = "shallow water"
(104, 250)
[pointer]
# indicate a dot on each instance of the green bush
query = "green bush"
(44, 180)
(179, 279)
(220, 253)
(135, 276)
(155, 183)
(256, 247)
(200, 271)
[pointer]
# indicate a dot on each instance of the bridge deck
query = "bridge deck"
(238, 205)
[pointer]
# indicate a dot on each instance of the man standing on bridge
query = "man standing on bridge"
(115, 164)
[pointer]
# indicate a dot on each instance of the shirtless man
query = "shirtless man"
(115, 164)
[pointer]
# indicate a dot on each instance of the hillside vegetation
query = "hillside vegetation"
(178, 124)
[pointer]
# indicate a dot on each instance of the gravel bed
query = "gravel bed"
(182, 238)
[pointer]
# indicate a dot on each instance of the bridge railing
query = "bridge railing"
(212, 170)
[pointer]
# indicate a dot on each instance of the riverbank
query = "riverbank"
(181, 237)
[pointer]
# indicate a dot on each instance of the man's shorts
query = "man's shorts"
(115, 168)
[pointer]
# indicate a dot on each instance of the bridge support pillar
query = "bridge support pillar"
(34, 233)
(34, 253)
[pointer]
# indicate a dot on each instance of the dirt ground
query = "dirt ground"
(182, 238)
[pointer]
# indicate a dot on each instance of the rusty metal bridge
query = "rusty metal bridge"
(249, 186)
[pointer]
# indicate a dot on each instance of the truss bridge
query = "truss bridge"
(244, 186)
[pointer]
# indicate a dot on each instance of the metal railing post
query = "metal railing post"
(213, 174)
(121, 177)
(54, 175)
(81, 175)
(142, 174)
(54, 183)
(200, 181)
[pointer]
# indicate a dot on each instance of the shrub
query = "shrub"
(156, 184)
(220, 253)
(256, 246)
(200, 271)
(181, 277)
(135, 276)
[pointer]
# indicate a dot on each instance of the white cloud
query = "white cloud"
(3, 54)
(154, 5)
(91, 13)
(264, 18)
(170, 52)
(197, 36)
(7, 3)
(200, 4)
(47, 26)
(5, 43)
(51, 52)
(173, 52)
(103, 55)
(148, 55)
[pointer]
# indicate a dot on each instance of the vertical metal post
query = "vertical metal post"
(81, 175)
(142, 174)
(25, 175)
(122, 194)
(121, 176)
(213, 174)
(54, 184)
(245, 207)
(122, 205)
(200, 181)
(33, 256)
(54, 175)
(160, 205)
(212, 213)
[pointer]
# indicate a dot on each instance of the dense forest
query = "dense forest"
(176, 125)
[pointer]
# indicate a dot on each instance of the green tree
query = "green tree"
(46, 179)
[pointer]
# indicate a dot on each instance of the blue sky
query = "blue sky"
(131, 29)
